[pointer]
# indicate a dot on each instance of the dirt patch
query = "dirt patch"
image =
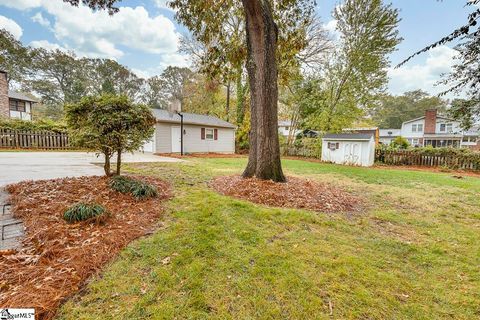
(295, 193)
(57, 258)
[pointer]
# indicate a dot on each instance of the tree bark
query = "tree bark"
(264, 157)
(106, 165)
(119, 161)
(240, 97)
(228, 101)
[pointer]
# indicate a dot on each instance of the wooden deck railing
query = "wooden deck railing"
(22, 139)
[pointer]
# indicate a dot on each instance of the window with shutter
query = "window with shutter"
(203, 134)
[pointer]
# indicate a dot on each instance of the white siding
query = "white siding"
(27, 115)
(407, 129)
(192, 139)
(365, 158)
(163, 138)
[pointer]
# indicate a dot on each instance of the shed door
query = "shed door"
(352, 153)
(176, 142)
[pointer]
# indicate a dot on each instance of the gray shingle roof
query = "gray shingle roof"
(20, 96)
(191, 118)
(348, 136)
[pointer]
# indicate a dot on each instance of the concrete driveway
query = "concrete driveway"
(19, 166)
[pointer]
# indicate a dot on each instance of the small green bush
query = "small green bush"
(138, 189)
(121, 184)
(85, 211)
(142, 190)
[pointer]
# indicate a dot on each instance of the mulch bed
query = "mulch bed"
(57, 258)
(295, 193)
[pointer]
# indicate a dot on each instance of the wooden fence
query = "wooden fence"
(410, 158)
(23, 139)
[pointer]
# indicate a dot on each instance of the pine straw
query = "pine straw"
(58, 258)
(295, 193)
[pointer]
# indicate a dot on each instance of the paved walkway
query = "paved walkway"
(11, 229)
(19, 166)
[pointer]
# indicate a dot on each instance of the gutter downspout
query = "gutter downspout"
(181, 133)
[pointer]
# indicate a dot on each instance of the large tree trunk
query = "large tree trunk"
(264, 157)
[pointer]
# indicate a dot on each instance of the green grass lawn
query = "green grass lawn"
(413, 253)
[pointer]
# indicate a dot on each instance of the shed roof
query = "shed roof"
(191, 118)
(348, 136)
(20, 96)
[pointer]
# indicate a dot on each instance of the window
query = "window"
(446, 127)
(469, 139)
(418, 127)
(209, 134)
(16, 105)
(333, 146)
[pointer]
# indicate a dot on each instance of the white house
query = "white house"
(434, 130)
(349, 148)
(201, 134)
(386, 136)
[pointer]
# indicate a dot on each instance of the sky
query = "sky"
(144, 35)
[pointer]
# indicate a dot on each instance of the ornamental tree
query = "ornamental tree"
(109, 124)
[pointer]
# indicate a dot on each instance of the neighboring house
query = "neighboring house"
(437, 131)
(201, 134)
(349, 148)
(284, 127)
(386, 136)
(433, 130)
(14, 104)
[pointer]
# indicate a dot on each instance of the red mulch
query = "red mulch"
(58, 258)
(295, 193)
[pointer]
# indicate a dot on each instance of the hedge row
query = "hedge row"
(40, 125)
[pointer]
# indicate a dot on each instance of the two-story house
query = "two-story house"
(14, 104)
(434, 130)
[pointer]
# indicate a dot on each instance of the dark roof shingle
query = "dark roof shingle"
(20, 96)
(191, 118)
(348, 136)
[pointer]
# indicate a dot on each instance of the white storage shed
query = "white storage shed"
(356, 149)
(201, 134)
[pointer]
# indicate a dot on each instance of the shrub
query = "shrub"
(142, 190)
(121, 184)
(138, 189)
(399, 143)
(39, 125)
(85, 211)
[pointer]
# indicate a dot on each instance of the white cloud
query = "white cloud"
(423, 75)
(97, 34)
(38, 18)
(21, 4)
(163, 4)
(44, 44)
(11, 26)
